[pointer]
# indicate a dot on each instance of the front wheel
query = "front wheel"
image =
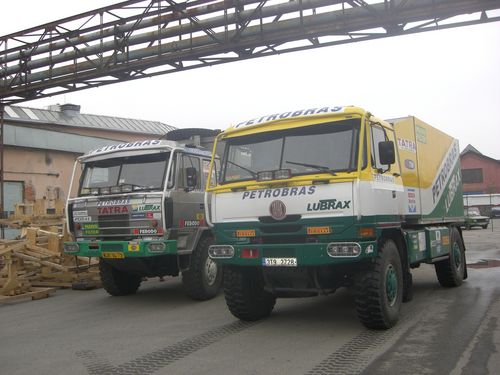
(451, 272)
(116, 282)
(379, 289)
(245, 294)
(203, 279)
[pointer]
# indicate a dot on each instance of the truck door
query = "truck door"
(387, 184)
(187, 197)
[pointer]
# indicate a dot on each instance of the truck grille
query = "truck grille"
(114, 221)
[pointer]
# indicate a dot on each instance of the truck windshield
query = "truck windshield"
(126, 174)
(324, 148)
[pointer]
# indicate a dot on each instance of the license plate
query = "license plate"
(279, 262)
(113, 255)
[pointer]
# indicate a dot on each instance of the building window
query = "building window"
(472, 176)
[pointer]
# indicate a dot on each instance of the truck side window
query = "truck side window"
(378, 135)
(187, 162)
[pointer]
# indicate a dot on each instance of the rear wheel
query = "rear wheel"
(203, 279)
(451, 272)
(116, 282)
(245, 294)
(379, 289)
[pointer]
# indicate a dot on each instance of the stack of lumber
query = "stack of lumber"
(37, 262)
(42, 213)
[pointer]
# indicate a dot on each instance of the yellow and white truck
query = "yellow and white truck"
(311, 200)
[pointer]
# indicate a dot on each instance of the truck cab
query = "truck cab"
(139, 207)
(311, 200)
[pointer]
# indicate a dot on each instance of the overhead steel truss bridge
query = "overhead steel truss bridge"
(143, 38)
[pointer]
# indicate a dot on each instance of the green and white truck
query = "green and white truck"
(139, 207)
(312, 200)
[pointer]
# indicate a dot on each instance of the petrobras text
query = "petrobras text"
(126, 146)
(280, 192)
(291, 114)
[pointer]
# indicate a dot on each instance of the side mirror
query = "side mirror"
(191, 177)
(386, 152)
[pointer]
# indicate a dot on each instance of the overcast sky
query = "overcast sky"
(448, 78)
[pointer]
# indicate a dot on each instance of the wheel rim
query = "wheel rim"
(457, 256)
(391, 285)
(210, 271)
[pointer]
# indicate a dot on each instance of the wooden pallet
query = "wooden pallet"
(35, 293)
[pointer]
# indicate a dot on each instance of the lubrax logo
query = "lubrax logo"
(328, 204)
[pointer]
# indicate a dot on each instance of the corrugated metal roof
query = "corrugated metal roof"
(81, 120)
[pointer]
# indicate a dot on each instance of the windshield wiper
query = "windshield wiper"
(318, 167)
(254, 174)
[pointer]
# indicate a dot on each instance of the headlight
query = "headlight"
(265, 176)
(343, 249)
(221, 251)
(71, 248)
(157, 247)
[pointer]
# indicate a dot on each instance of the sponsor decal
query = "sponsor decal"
(200, 216)
(148, 231)
(445, 240)
(421, 242)
(277, 209)
(155, 215)
(112, 210)
(191, 223)
(127, 146)
(145, 207)
(412, 200)
(407, 145)
(90, 229)
(144, 215)
(384, 178)
(421, 134)
(328, 205)
(319, 230)
(291, 114)
(409, 164)
(115, 202)
(80, 213)
(133, 247)
(245, 233)
(444, 172)
(280, 192)
(452, 190)
(82, 219)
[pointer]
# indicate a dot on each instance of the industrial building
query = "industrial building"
(41, 145)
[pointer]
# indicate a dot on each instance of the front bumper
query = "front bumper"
(304, 254)
(120, 249)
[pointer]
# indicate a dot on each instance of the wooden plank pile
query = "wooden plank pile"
(42, 212)
(33, 266)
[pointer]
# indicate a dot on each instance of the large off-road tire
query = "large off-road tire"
(116, 282)
(452, 271)
(245, 294)
(203, 279)
(379, 289)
